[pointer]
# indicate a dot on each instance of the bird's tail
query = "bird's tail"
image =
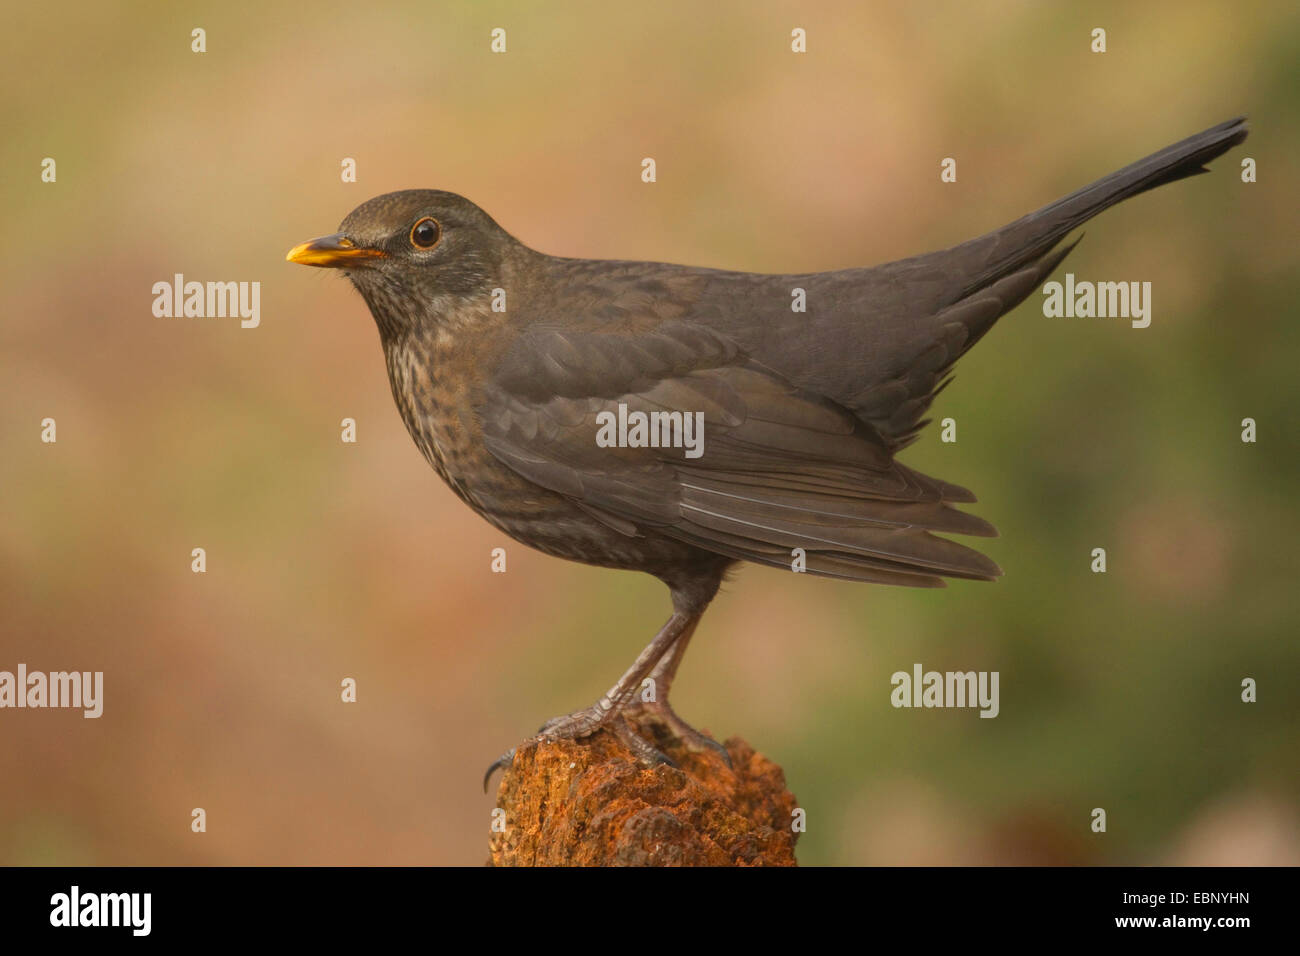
(1031, 237)
(988, 276)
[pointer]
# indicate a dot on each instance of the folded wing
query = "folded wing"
(780, 468)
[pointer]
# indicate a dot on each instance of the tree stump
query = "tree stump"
(591, 803)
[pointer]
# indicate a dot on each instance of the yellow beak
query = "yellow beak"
(334, 252)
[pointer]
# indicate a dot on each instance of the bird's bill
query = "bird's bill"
(336, 252)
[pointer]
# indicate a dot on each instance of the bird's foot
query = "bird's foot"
(662, 713)
(584, 723)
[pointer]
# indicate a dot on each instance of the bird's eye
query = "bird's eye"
(426, 233)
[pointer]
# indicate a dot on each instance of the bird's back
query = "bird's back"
(877, 341)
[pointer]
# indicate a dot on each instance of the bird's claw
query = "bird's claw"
(721, 750)
(505, 760)
(584, 723)
(644, 750)
(661, 712)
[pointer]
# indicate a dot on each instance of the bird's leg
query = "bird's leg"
(666, 669)
(584, 722)
(661, 681)
(607, 712)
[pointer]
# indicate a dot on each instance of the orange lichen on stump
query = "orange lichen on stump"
(590, 803)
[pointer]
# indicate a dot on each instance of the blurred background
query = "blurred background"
(328, 560)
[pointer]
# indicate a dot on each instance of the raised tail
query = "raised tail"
(956, 295)
(1029, 238)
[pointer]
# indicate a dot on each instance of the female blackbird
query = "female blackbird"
(510, 367)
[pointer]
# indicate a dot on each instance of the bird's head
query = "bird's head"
(414, 255)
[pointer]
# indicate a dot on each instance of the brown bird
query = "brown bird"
(527, 381)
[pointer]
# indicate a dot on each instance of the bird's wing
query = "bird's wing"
(780, 467)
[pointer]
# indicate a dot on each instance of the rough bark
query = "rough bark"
(591, 803)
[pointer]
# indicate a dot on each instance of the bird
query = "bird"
(505, 364)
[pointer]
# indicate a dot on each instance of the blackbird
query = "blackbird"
(507, 366)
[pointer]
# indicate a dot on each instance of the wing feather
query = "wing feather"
(781, 468)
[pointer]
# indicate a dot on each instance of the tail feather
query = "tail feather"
(986, 277)
(1017, 244)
